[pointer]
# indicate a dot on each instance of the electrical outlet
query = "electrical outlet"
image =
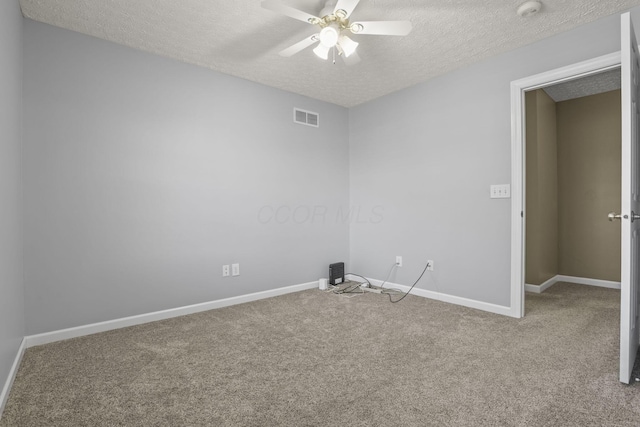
(235, 269)
(399, 261)
(225, 270)
(430, 265)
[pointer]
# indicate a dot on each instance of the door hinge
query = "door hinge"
(521, 214)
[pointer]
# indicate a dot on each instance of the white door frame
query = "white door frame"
(518, 132)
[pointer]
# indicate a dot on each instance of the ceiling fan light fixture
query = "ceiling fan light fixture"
(347, 45)
(329, 36)
(333, 24)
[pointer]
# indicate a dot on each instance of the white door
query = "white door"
(630, 63)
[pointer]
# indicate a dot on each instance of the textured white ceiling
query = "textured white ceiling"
(241, 38)
(590, 85)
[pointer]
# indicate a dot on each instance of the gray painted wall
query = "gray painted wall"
(144, 175)
(427, 156)
(11, 284)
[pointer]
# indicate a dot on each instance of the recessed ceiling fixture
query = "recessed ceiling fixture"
(335, 28)
(529, 8)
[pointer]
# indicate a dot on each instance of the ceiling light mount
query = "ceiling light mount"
(529, 8)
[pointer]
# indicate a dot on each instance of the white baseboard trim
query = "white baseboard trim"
(79, 331)
(538, 289)
(439, 296)
(571, 279)
(590, 282)
(532, 288)
(4, 396)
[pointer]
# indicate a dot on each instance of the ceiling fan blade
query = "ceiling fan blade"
(352, 59)
(383, 28)
(301, 45)
(291, 12)
(347, 5)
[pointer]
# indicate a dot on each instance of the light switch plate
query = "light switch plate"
(501, 191)
(235, 269)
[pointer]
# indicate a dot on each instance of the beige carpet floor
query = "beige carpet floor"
(318, 359)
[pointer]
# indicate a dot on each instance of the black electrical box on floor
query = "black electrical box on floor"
(336, 273)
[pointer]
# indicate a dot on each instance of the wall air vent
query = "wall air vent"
(304, 117)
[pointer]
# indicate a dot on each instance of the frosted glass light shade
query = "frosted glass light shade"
(322, 51)
(348, 46)
(329, 36)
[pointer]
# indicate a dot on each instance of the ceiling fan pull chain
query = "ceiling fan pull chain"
(334, 55)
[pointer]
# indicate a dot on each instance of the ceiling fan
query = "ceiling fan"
(335, 27)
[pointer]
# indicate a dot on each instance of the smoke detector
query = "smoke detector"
(529, 8)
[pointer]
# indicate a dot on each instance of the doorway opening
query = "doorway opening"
(628, 61)
(572, 181)
(607, 63)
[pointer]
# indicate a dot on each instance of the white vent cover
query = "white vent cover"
(304, 117)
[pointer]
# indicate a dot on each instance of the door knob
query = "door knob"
(634, 216)
(613, 215)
